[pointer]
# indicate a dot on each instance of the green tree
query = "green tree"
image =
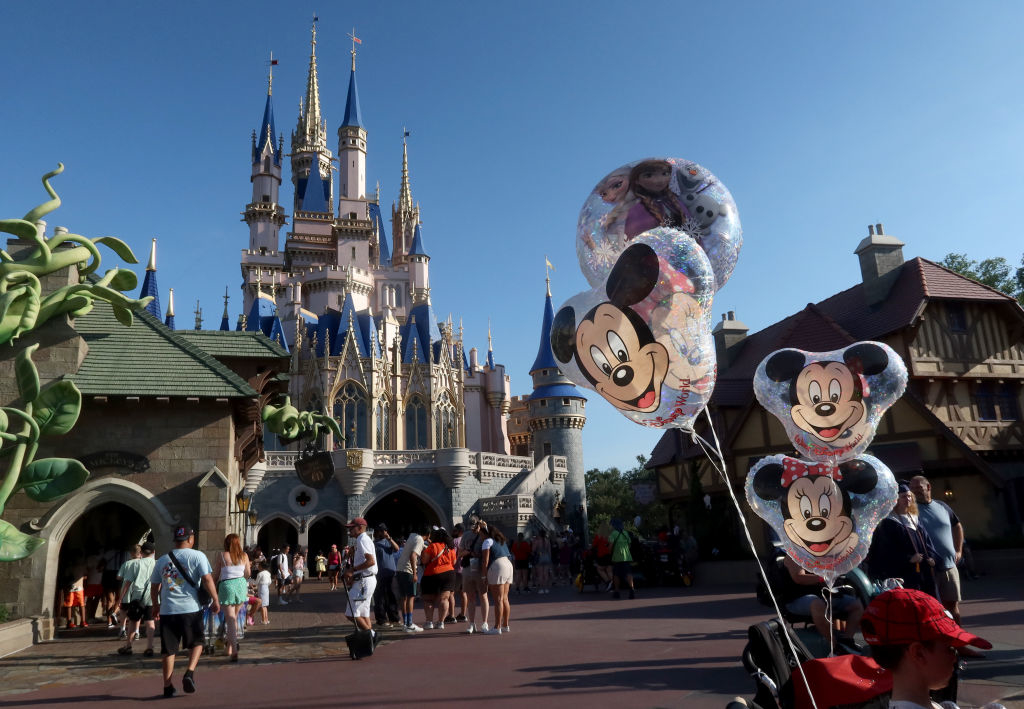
(610, 494)
(993, 272)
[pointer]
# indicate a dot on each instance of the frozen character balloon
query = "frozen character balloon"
(824, 514)
(658, 192)
(831, 403)
(643, 339)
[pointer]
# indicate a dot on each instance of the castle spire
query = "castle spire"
(169, 319)
(224, 323)
(149, 287)
(199, 316)
(352, 113)
(405, 192)
(311, 132)
(263, 140)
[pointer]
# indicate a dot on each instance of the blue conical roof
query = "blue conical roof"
(149, 287)
(224, 324)
(417, 244)
(353, 116)
(266, 135)
(421, 327)
(169, 321)
(545, 357)
(383, 247)
(314, 199)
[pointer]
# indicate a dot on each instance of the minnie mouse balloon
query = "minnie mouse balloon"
(824, 514)
(831, 402)
(642, 340)
(666, 192)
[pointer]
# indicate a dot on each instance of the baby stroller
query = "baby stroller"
(588, 575)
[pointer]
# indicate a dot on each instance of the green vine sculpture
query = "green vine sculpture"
(52, 409)
(290, 424)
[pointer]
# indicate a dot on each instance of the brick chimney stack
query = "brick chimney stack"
(881, 256)
(728, 334)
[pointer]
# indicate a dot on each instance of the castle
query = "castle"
(426, 423)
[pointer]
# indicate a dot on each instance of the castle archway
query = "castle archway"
(276, 533)
(403, 511)
(324, 532)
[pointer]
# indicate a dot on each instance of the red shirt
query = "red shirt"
(521, 550)
(437, 559)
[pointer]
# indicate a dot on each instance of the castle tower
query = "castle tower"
(169, 318)
(309, 139)
(404, 216)
(352, 152)
(419, 269)
(264, 214)
(556, 417)
(149, 286)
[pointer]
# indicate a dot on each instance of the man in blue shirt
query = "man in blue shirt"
(385, 605)
(176, 578)
(947, 535)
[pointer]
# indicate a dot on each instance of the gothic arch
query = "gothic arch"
(271, 517)
(54, 525)
(378, 496)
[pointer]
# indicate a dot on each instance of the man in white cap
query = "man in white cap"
(361, 575)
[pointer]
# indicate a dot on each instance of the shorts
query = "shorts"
(231, 592)
(93, 589)
(841, 604)
(458, 583)
(265, 594)
(138, 612)
(500, 572)
(74, 598)
(472, 582)
(947, 583)
(604, 560)
(406, 584)
(622, 569)
(438, 583)
(183, 628)
(522, 564)
(299, 575)
(360, 597)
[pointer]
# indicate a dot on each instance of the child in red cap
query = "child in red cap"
(911, 634)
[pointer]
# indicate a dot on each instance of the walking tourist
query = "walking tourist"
(298, 575)
(495, 556)
(385, 604)
(947, 535)
(438, 562)
(521, 550)
(334, 566)
(602, 551)
(175, 592)
(263, 582)
(405, 578)
(474, 576)
(321, 565)
(74, 595)
(542, 562)
(135, 599)
(282, 573)
(622, 560)
(361, 576)
(232, 571)
(901, 548)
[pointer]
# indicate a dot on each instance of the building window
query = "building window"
(996, 402)
(383, 438)
(353, 253)
(547, 447)
(957, 317)
(266, 198)
(416, 424)
(565, 402)
(350, 412)
(544, 402)
(352, 215)
(444, 423)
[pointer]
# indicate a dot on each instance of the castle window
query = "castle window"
(444, 423)
(957, 317)
(383, 439)
(352, 215)
(266, 198)
(544, 402)
(547, 447)
(565, 402)
(266, 164)
(353, 252)
(350, 412)
(416, 424)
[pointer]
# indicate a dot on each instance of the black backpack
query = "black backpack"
(275, 565)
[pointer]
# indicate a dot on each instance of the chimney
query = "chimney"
(881, 257)
(728, 335)
(474, 362)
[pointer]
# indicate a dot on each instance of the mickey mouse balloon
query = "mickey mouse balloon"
(658, 192)
(642, 340)
(823, 514)
(831, 403)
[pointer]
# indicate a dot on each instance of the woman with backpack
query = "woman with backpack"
(438, 561)
(496, 558)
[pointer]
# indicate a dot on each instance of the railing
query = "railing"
(281, 460)
(397, 459)
(506, 505)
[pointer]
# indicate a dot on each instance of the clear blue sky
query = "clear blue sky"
(820, 118)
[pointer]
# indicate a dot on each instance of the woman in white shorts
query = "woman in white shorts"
(495, 557)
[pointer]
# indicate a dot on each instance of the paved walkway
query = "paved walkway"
(668, 648)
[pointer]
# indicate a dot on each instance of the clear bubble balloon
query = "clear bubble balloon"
(823, 513)
(658, 192)
(831, 403)
(642, 338)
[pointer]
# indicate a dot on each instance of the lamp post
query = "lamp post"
(243, 501)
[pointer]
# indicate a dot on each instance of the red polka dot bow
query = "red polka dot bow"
(794, 469)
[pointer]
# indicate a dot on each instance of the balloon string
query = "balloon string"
(827, 595)
(717, 450)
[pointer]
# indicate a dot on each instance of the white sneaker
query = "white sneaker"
(283, 602)
(440, 626)
(483, 627)
(428, 626)
(493, 631)
(471, 629)
(413, 628)
(506, 629)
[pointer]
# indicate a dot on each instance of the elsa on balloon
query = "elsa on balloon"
(614, 190)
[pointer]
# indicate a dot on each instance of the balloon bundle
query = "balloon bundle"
(656, 239)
